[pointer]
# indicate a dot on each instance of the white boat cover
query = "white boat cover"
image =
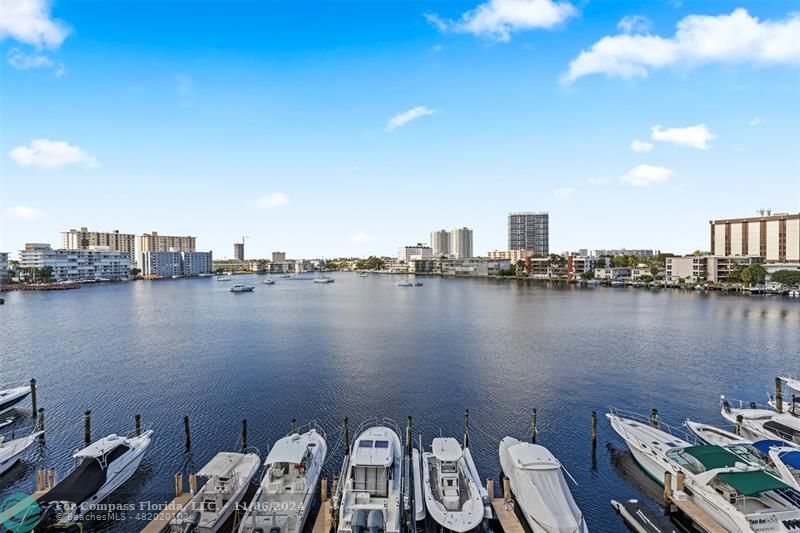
(101, 447)
(447, 449)
(290, 449)
(222, 464)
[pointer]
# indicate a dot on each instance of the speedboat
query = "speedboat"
(323, 279)
(268, 281)
(418, 284)
(223, 278)
(363, 274)
(227, 475)
(739, 496)
(11, 451)
(709, 434)
(369, 493)
(405, 284)
(291, 474)
(452, 493)
(617, 283)
(101, 468)
(11, 397)
(758, 423)
(240, 287)
(540, 488)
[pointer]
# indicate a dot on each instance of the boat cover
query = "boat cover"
(712, 457)
(764, 445)
(84, 481)
(791, 458)
(751, 483)
(549, 502)
(290, 449)
(221, 465)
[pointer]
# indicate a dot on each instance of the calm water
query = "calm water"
(365, 347)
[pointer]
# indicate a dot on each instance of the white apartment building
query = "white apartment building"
(168, 264)
(461, 243)
(475, 266)
(76, 265)
(713, 268)
(3, 267)
(83, 239)
(195, 263)
(511, 255)
(153, 242)
(776, 238)
(440, 242)
(405, 253)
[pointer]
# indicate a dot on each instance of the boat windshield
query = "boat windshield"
(699, 459)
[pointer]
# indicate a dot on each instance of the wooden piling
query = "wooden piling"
(41, 425)
(594, 428)
(323, 489)
(186, 432)
(40, 480)
(506, 490)
(33, 398)
(244, 434)
(680, 481)
(667, 488)
(193, 484)
(408, 437)
(178, 484)
(87, 427)
(533, 427)
(490, 488)
(294, 425)
(51, 478)
(137, 424)
(346, 435)
(778, 395)
(654, 418)
(466, 428)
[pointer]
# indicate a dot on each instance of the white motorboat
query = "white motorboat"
(709, 434)
(11, 397)
(12, 451)
(540, 488)
(101, 468)
(227, 475)
(405, 284)
(452, 494)
(268, 281)
(240, 287)
(786, 460)
(291, 474)
(323, 279)
(739, 496)
(756, 424)
(223, 278)
(369, 493)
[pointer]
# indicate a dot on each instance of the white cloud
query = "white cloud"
(756, 121)
(641, 146)
(699, 39)
(599, 181)
(694, 136)
(564, 192)
(437, 48)
(276, 199)
(498, 19)
(23, 61)
(405, 117)
(361, 238)
(22, 213)
(29, 22)
(634, 24)
(645, 175)
(44, 153)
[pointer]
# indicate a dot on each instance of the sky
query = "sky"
(328, 129)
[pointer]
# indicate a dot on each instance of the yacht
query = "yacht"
(739, 496)
(323, 279)
(268, 281)
(286, 493)
(101, 468)
(452, 487)
(11, 397)
(405, 284)
(763, 423)
(227, 475)
(240, 287)
(223, 278)
(12, 451)
(369, 494)
(539, 488)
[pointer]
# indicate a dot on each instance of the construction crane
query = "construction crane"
(244, 237)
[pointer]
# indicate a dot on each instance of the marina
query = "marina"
(271, 347)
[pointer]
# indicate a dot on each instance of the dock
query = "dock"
(323, 523)
(681, 501)
(504, 508)
(162, 519)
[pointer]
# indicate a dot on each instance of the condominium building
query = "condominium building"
(511, 255)
(167, 264)
(529, 231)
(98, 263)
(83, 239)
(153, 242)
(637, 252)
(474, 266)
(776, 237)
(405, 253)
(440, 242)
(3, 267)
(278, 257)
(461, 243)
(238, 251)
(713, 268)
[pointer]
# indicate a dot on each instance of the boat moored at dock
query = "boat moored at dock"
(11, 451)
(9, 398)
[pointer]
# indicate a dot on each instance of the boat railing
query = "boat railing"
(251, 449)
(373, 422)
(679, 432)
(744, 404)
(308, 426)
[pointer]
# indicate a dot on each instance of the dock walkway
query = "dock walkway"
(323, 523)
(504, 508)
(681, 500)
(163, 518)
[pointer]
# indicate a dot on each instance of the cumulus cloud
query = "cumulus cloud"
(756, 121)
(275, 199)
(23, 61)
(634, 24)
(22, 213)
(737, 37)
(564, 192)
(498, 19)
(645, 175)
(405, 117)
(44, 153)
(641, 146)
(29, 22)
(693, 136)
(361, 238)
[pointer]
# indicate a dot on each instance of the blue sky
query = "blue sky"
(275, 120)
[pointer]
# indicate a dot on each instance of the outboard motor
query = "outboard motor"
(375, 521)
(191, 525)
(359, 522)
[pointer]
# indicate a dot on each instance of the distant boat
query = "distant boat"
(240, 287)
(323, 279)
(617, 283)
(405, 284)
(205, 275)
(418, 284)
(363, 274)
(268, 281)
(223, 278)
(175, 277)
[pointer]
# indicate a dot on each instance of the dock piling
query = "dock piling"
(87, 427)
(533, 427)
(490, 488)
(33, 398)
(192, 484)
(41, 425)
(51, 478)
(594, 429)
(466, 428)
(186, 432)
(654, 418)
(178, 484)
(778, 395)
(346, 435)
(294, 425)
(680, 481)
(244, 434)
(40, 480)
(667, 488)
(137, 424)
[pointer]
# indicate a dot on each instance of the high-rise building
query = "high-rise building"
(3, 267)
(440, 242)
(776, 237)
(461, 243)
(153, 242)
(529, 231)
(84, 239)
(238, 251)
(405, 253)
(167, 264)
(278, 257)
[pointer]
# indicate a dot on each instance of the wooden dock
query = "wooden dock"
(323, 523)
(504, 508)
(680, 499)
(162, 518)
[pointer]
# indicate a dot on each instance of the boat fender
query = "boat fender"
(375, 521)
(359, 522)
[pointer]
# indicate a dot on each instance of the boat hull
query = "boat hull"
(12, 397)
